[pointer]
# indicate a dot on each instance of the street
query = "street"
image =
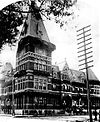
(8, 118)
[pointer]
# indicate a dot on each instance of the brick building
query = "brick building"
(38, 87)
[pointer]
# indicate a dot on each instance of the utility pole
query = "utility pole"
(13, 90)
(84, 49)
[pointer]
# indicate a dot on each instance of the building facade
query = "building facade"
(37, 87)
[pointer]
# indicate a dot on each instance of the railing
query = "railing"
(74, 90)
(35, 55)
(31, 85)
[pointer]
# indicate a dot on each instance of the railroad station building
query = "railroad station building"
(37, 87)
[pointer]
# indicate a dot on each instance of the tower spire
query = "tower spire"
(66, 67)
(34, 26)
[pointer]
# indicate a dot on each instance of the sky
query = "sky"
(65, 39)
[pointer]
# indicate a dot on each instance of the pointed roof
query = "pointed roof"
(55, 68)
(66, 67)
(78, 75)
(92, 76)
(67, 71)
(34, 27)
(34, 31)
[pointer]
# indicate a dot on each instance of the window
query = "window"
(44, 86)
(40, 85)
(21, 86)
(36, 85)
(40, 100)
(68, 88)
(31, 77)
(49, 86)
(18, 80)
(26, 77)
(24, 85)
(54, 87)
(27, 84)
(54, 75)
(16, 87)
(23, 78)
(31, 65)
(63, 87)
(40, 66)
(45, 68)
(43, 62)
(40, 51)
(31, 84)
(65, 77)
(19, 67)
(49, 80)
(40, 80)
(23, 66)
(36, 79)
(45, 80)
(35, 66)
(48, 68)
(26, 66)
(10, 88)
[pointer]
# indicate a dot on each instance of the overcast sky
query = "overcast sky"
(65, 39)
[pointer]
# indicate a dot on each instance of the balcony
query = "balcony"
(36, 68)
(34, 55)
(73, 90)
(20, 73)
(30, 85)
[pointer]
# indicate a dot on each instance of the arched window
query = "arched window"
(35, 66)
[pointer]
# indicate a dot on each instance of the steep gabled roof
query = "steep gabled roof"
(67, 71)
(55, 68)
(78, 75)
(92, 76)
(66, 67)
(34, 27)
(34, 32)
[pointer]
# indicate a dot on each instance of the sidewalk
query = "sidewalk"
(8, 115)
(78, 118)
